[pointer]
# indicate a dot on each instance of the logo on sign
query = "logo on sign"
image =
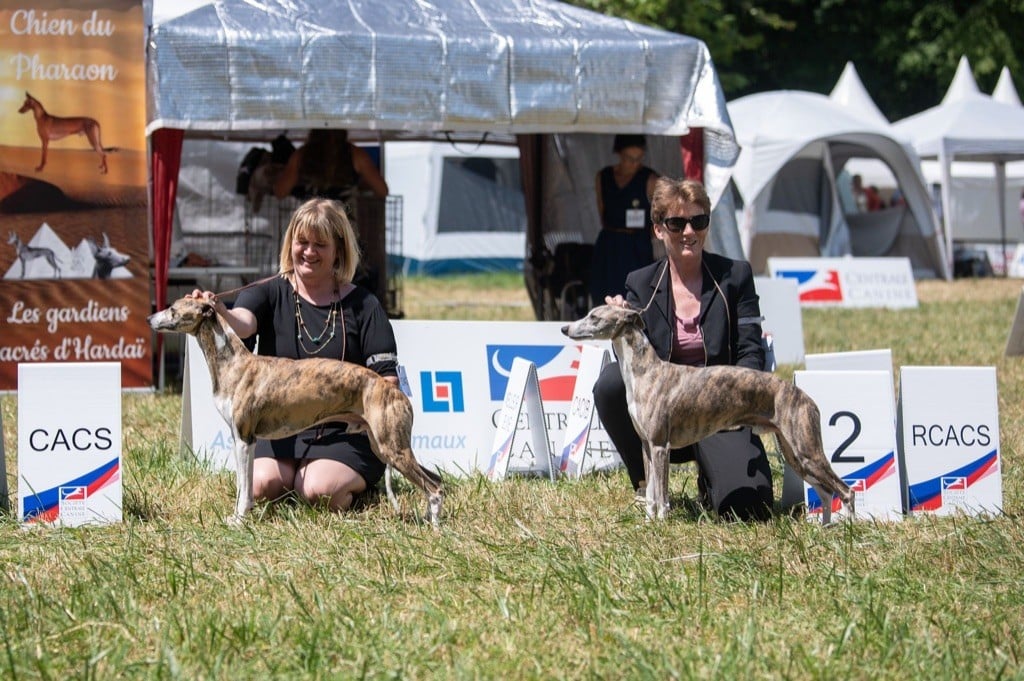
(72, 503)
(556, 369)
(442, 391)
(816, 286)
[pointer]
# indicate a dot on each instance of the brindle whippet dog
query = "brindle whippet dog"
(25, 253)
(50, 127)
(275, 397)
(673, 405)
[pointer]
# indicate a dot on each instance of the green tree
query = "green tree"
(905, 51)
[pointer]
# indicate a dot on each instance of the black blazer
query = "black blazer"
(730, 316)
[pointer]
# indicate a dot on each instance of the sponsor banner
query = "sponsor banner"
(783, 319)
(849, 282)
(471, 363)
(858, 431)
(69, 443)
(949, 420)
(452, 370)
(74, 255)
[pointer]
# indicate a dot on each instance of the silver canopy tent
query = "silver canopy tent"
(556, 78)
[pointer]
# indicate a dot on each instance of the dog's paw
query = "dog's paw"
(235, 520)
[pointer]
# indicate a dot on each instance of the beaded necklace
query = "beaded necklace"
(319, 341)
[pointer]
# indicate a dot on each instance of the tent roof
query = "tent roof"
(850, 92)
(1005, 91)
(503, 66)
(972, 127)
(772, 127)
(963, 83)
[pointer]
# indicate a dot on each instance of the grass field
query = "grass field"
(528, 579)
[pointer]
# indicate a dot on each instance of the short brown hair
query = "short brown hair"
(668, 191)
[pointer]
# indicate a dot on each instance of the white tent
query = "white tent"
(968, 126)
(524, 69)
(463, 208)
(794, 146)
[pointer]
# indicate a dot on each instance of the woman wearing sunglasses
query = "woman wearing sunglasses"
(701, 309)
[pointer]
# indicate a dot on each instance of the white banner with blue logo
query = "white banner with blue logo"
(459, 373)
(69, 443)
(849, 282)
(949, 419)
(858, 432)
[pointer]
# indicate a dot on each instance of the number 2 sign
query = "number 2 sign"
(858, 430)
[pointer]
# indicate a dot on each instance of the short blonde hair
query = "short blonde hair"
(323, 220)
(668, 191)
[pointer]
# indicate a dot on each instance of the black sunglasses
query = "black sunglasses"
(678, 224)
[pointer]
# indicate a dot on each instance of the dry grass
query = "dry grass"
(529, 579)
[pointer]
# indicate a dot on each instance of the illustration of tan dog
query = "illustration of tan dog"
(674, 405)
(52, 128)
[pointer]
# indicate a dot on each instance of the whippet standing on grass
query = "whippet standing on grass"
(25, 253)
(275, 397)
(51, 128)
(674, 405)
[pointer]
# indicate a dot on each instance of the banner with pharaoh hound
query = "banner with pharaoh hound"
(74, 246)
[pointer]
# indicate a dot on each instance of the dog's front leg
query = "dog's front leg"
(42, 159)
(657, 483)
(244, 455)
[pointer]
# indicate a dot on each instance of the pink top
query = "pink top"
(688, 342)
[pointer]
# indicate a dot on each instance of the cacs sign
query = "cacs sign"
(69, 443)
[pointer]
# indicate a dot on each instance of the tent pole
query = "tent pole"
(1001, 196)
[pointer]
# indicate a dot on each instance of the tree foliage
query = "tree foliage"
(905, 51)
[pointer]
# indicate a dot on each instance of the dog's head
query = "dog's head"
(185, 315)
(107, 258)
(27, 105)
(604, 322)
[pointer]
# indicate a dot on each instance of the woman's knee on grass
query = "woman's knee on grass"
(324, 481)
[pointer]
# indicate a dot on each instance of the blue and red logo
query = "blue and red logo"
(442, 391)
(860, 481)
(556, 369)
(816, 286)
(927, 495)
(44, 506)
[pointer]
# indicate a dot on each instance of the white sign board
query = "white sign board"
(849, 282)
(573, 456)
(858, 430)
(456, 374)
(522, 389)
(949, 418)
(783, 319)
(858, 360)
(69, 443)
(459, 373)
(204, 432)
